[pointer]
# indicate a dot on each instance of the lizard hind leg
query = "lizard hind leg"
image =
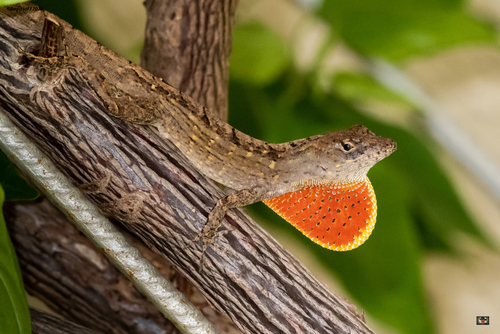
(210, 230)
(236, 199)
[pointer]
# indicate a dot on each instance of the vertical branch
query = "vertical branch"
(188, 43)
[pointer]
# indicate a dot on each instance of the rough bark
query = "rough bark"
(170, 55)
(44, 323)
(129, 172)
(187, 43)
(63, 269)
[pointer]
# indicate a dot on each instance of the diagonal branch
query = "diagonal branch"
(45, 176)
(44, 323)
(129, 172)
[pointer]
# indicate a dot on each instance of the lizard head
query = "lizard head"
(352, 152)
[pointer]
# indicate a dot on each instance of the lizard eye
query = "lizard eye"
(348, 147)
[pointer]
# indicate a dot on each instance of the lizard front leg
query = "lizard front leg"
(234, 200)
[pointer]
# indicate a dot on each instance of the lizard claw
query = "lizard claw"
(210, 231)
(207, 242)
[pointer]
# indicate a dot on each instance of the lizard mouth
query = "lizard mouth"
(336, 216)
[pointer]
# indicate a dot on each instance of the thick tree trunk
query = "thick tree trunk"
(188, 43)
(129, 172)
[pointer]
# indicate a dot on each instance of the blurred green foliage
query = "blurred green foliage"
(14, 312)
(398, 29)
(10, 2)
(252, 41)
(364, 88)
(15, 187)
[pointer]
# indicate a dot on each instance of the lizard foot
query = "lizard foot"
(210, 231)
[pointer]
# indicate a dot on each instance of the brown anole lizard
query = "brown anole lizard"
(326, 172)
(318, 184)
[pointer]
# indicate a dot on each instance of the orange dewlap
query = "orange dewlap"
(336, 216)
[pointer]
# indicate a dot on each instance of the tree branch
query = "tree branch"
(188, 43)
(44, 323)
(66, 271)
(129, 172)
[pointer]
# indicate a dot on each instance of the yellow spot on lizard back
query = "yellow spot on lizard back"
(271, 165)
(249, 154)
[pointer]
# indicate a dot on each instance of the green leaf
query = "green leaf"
(398, 29)
(10, 2)
(258, 55)
(15, 187)
(68, 10)
(14, 312)
(360, 87)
